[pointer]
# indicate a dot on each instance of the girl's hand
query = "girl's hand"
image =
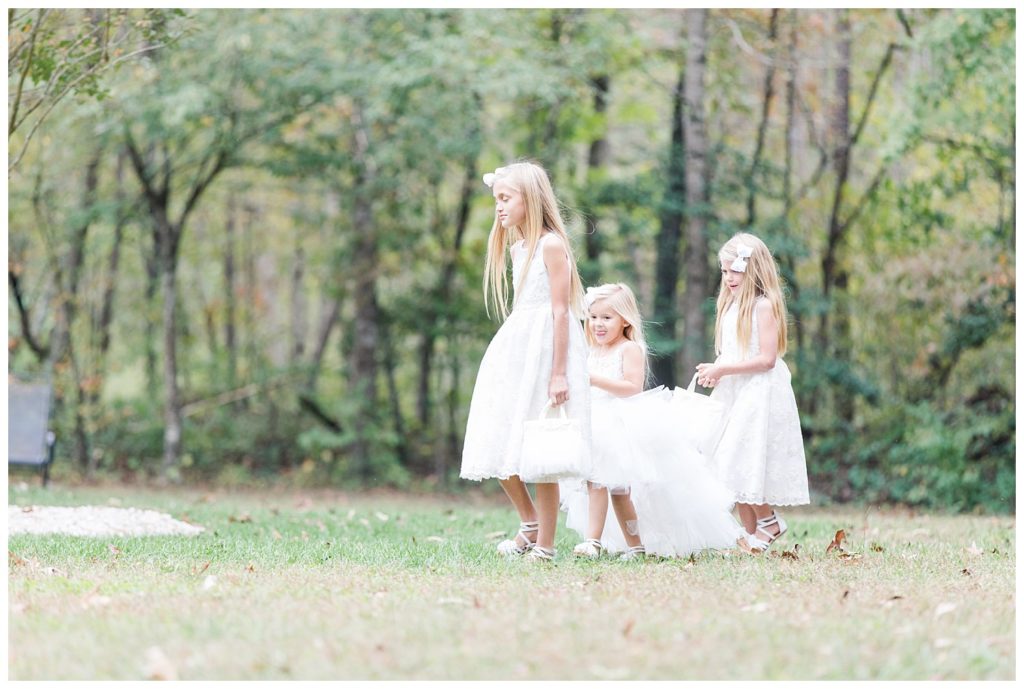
(558, 390)
(708, 375)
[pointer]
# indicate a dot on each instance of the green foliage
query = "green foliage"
(918, 455)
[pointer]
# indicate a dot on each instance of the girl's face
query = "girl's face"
(732, 278)
(509, 205)
(606, 325)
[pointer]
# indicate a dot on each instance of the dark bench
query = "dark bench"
(30, 441)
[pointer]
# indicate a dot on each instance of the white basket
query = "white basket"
(703, 417)
(553, 448)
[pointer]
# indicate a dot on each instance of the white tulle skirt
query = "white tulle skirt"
(641, 444)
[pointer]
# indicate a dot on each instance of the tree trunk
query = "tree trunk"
(109, 289)
(597, 158)
(230, 337)
(152, 287)
(443, 289)
(762, 129)
(697, 197)
(68, 288)
(366, 327)
(833, 276)
(298, 309)
(168, 256)
(666, 268)
(786, 258)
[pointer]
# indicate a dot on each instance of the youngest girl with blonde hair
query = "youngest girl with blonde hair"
(665, 500)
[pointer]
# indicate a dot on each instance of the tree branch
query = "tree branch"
(872, 92)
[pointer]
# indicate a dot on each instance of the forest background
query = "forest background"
(246, 246)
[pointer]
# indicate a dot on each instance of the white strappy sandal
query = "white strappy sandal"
(637, 552)
(540, 554)
(759, 545)
(512, 548)
(590, 548)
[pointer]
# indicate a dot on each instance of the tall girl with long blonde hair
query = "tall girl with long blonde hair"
(538, 354)
(760, 456)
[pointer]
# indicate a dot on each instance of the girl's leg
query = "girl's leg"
(547, 514)
(763, 512)
(597, 510)
(517, 492)
(747, 516)
(625, 512)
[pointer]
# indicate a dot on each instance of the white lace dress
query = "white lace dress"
(760, 457)
(640, 445)
(512, 381)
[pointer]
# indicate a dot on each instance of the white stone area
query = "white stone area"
(96, 521)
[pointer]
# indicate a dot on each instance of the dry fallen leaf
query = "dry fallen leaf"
(114, 550)
(201, 569)
(276, 534)
(15, 559)
(877, 548)
(243, 518)
(628, 627)
(837, 542)
(966, 572)
(250, 568)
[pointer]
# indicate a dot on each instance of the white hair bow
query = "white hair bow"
(591, 296)
(743, 252)
(490, 177)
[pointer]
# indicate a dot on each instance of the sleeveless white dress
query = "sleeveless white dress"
(641, 444)
(512, 381)
(760, 456)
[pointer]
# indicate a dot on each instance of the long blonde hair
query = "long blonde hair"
(541, 207)
(622, 301)
(761, 279)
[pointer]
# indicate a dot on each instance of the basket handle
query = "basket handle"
(548, 406)
(693, 383)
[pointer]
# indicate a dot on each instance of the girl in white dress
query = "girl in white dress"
(538, 354)
(760, 456)
(666, 501)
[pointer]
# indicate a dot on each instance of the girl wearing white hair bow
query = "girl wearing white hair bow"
(760, 456)
(666, 501)
(537, 358)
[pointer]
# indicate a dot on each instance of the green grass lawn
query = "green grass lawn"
(325, 585)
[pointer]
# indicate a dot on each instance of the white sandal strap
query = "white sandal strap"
(540, 553)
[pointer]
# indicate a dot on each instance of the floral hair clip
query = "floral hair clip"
(743, 252)
(490, 177)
